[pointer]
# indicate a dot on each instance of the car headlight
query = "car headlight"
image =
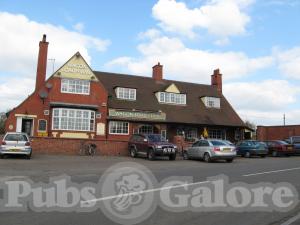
(159, 146)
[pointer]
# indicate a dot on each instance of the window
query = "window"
(42, 125)
(15, 137)
(126, 93)
(75, 86)
(191, 134)
(118, 127)
(211, 102)
(172, 98)
(146, 129)
(164, 133)
(73, 119)
(216, 134)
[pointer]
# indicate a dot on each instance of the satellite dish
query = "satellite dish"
(49, 85)
(43, 94)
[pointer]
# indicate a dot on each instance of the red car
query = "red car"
(277, 148)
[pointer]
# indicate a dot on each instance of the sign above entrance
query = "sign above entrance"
(137, 115)
(76, 68)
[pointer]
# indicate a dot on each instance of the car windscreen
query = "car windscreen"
(218, 143)
(16, 137)
(282, 142)
(296, 139)
(155, 138)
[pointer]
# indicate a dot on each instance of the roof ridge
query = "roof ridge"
(146, 77)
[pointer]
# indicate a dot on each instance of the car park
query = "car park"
(294, 140)
(248, 148)
(151, 146)
(278, 148)
(15, 143)
(210, 150)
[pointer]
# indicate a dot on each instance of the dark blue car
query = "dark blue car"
(250, 148)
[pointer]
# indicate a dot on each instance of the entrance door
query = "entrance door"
(27, 126)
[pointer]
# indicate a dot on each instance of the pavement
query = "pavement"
(89, 169)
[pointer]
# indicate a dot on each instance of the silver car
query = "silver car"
(15, 143)
(211, 149)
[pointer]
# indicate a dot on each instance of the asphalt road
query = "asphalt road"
(86, 169)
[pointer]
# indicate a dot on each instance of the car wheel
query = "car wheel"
(263, 156)
(1, 156)
(151, 155)
(28, 157)
(274, 153)
(185, 156)
(247, 155)
(132, 152)
(207, 158)
(229, 160)
(172, 157)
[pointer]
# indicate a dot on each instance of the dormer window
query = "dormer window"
(211, 102)
(171, 98)
(126, 93)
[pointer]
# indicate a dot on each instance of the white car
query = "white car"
(210, 150)
(15, 143)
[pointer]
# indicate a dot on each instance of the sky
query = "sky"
(254, 43)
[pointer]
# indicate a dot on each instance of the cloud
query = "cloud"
(79, 27)
(19, 38)
(183, 63)
(266, 95)
(222, 18)
(289, 62)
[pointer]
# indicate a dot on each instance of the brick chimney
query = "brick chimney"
(216, 80)
(42, 64)
(157, 73)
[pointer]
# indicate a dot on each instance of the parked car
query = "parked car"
(277, 148)
(150, 146)
(15, 143)
(210, 150)
(248, 148)
(294, 140)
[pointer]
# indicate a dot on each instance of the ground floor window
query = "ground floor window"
(217, 134)
(164, 134)
(42, 126)
(146, 129)
(118, 127)
(73, 119)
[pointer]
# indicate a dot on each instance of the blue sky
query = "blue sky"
(256, 45)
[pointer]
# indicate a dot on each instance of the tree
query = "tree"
(250, 125)
(2, 122)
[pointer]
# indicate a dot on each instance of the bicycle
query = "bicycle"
(87, 149)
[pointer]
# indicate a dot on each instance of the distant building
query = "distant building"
(277, 132)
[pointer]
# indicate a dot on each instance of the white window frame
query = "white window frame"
(129, 92)
(91, 119)
(66, 86)
(39, 125)
(118, 122)
(148, 127)
(217, 134)
(171, 98)
(212, 102)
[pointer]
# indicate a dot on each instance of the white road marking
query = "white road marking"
(273, 171)
(141, 192)
(292, 220)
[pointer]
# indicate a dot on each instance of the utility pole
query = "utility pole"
(284, 119)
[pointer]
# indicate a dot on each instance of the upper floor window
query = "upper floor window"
(211, 102)
(172, 98)
(126, 93)
(75, 86)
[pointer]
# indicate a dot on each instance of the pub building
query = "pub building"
(77, 103)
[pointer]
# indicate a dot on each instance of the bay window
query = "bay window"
(73, 119)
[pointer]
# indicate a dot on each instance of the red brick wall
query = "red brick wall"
(45, 145)
(277, 132)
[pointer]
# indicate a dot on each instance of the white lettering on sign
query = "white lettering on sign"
(77, 68)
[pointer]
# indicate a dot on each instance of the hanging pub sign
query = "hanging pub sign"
(137, 115)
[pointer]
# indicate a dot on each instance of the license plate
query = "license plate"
(14, 150)
(226, 149)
